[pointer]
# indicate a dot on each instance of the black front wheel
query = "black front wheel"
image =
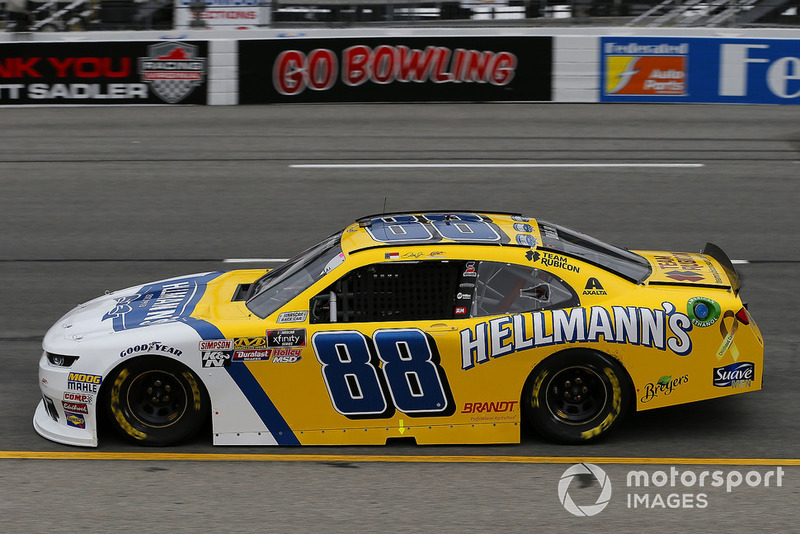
(156, 401)
(576, 396)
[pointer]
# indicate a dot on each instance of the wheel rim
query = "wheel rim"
(576, 395)
(157, 398)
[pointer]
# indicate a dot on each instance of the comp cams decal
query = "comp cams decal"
(662, 329)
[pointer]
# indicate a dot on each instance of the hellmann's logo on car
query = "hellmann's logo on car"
(661, 329)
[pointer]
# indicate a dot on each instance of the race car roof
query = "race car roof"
(440, 227)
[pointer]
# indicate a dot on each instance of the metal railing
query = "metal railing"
(55, 15)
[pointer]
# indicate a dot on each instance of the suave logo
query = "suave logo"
(583, 470)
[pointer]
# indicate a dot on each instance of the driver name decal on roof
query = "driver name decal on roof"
(661, 329)
(433, 227)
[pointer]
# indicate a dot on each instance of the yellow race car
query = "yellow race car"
(440, 327)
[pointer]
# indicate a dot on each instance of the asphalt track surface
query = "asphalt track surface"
(96, 199)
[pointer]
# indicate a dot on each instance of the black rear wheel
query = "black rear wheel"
(156, 401)
(576, 396)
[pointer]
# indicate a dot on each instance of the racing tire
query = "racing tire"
(576, 396)
(156, 401)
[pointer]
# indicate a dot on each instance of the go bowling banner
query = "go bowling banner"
(85, 73)
(396, 69)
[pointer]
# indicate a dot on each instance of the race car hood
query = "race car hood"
(135, 307)
(686, 268)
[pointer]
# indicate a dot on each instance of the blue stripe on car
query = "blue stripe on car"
(252, 390)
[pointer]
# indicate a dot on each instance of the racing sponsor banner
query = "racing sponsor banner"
(226, 14)
(81, 73)
(709, 70)
(395, 69)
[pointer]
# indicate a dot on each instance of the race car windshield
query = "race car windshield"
(617, 260)
(281, 285)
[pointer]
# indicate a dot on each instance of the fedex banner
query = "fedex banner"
(395, 69)
(712, 70)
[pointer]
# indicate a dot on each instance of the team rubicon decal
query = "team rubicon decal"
(173, 70)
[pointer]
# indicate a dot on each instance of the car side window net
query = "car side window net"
(391, 291)
(502, 288)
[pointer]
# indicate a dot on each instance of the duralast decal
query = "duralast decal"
(662, 329)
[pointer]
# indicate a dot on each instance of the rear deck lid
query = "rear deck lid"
(689, 269)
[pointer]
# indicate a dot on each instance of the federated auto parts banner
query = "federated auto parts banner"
(162, 72)
(395, 69)
(715, 70)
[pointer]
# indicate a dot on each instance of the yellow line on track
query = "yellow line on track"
(369, 458)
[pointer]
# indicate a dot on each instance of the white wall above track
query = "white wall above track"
(715, 65)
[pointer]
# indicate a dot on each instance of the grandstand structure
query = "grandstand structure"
(76, 15)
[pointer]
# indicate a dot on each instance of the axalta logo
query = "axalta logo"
(294, 71)
(744, 67)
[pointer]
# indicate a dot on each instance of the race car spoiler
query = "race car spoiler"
(727, 265)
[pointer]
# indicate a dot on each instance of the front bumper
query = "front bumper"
(62, 415)
(59, 432)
